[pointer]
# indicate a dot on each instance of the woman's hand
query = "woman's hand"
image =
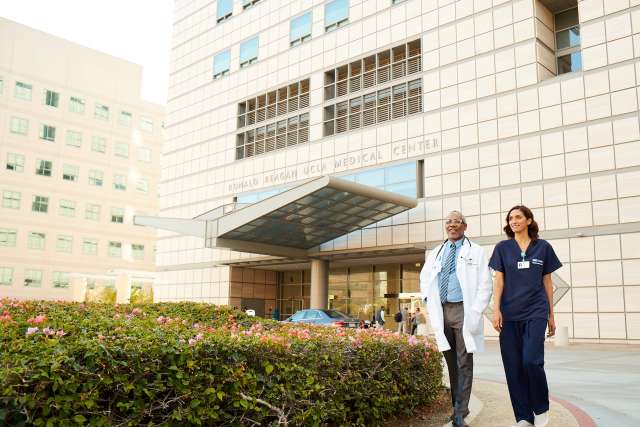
(552, 326)
(497, 320)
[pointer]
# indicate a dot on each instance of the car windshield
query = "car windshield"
(334, 314)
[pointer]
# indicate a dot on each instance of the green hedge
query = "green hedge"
(195, 364)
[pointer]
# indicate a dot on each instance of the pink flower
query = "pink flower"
(200, 336)
(116, 316)
(136, 311)
(413, 340)
(37, 320)
(31, 331)
(48, 331)
(192, 342)
(61, 333)
(101, 337)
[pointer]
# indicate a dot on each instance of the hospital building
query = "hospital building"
(314, 147)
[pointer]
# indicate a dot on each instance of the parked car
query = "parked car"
(324, 317)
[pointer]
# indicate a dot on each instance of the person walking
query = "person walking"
(406, 321)
(456, 284)
(523, 310)
(421, 322)
(380, 317)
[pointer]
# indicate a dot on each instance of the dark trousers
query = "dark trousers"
(459, 362)
(522, 349)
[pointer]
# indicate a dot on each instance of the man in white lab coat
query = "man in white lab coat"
(456, 284)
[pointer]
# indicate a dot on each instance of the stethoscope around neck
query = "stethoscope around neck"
(446, 240)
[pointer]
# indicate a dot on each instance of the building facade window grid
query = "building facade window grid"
(11, 199)
(8, 237)
(115, 249)
(23, 91)
(117, 215)
(137, 252)
(90, 246)
(44, 167)
(99, 144)
(119, 182)
(125, 118)
(224, 10)
(61, 279)
(275, 103)
(567, 38)
(74, 138)
(101, 112)
(70, 173)
(15, 162)
(76, 105)
(383, 105)
(32, 278)
(92, 212)
(300, 29)
(385, 66)
(47, 132)
(36, 240)
(19, 126)
(96, 177)
(67, 208)
(6, 276)
(146, 124)
(51, 98)
(275, 136)
(40, 204)
(64, 243)
(221, 64)
(249, 51)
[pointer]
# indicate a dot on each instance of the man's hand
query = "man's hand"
(552, 327)
(497, 320)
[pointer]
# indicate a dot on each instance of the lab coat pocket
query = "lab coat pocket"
(475, 323)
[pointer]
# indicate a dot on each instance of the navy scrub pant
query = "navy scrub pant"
(522, 349)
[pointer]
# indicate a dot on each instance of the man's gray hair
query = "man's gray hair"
(458, 213)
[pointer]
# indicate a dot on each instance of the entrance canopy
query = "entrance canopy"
(293, 222)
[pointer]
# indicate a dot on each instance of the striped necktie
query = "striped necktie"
(447, 269)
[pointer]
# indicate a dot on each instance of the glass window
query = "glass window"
(19, 126)
(70, 173)
(51, 98)
(99, 144)
(43, 167)
(117, 215)
(101, 112)
(7, 237)
(92, 212)
(125, 118)
(137, 252)
(121, 149)
(76, 105)
(36, 240)
(90, 246)
(119, 182)
(96, 177)
(142, 185)
(221, 64)
(40, 204)
(11, 199)
(64, 243)
(336, 13)
(48, 133)
(570, 63)
(246, 4)
(224, 10)
(33, 278)
(74, 138)
(67, 208)
(23, 91)
(568, 38)
(146, 124)
(144, 154)
(115, 249)
(15, 162)
(6, 276)
(249, 52)
(566, 19)
(61, 279)
(300, 30)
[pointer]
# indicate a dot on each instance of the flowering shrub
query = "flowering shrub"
(195, 364)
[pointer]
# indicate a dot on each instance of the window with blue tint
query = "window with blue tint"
(259, 195)
(224, 10)
(300, 29)
(221, 63)
(399, 179)
(336, 13)
(567, 32)
(570, 63)
(249, 52)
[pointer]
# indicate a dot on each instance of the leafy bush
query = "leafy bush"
(196, 364)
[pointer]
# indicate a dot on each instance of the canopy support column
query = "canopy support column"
(319, 284)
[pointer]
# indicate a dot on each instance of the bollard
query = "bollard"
(562, 336)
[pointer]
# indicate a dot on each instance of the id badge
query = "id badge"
(523, 265)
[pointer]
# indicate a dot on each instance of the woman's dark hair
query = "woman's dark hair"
(533, 227)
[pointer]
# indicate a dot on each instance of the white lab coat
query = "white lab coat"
(476, 283)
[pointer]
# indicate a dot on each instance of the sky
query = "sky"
(136, 30)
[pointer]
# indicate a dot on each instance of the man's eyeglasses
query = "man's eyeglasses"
(454, 222)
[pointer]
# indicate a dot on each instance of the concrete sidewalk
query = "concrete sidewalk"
(590, 385)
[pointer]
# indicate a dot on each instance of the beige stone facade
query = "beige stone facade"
(79, 153)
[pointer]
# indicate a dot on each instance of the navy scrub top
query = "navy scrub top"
(523, 295)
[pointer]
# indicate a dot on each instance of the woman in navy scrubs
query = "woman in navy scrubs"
(523, 309)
